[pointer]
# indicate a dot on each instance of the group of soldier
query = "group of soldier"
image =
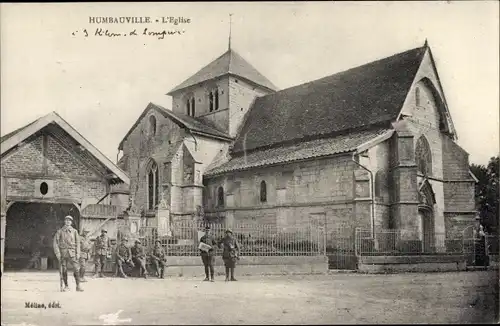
(72, 249)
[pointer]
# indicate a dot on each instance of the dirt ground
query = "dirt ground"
(458, 297)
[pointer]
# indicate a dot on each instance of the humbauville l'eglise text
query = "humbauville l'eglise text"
(139, 20)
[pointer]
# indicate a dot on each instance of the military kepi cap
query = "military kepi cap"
(104, 231)
(137, 241)
(68, 218)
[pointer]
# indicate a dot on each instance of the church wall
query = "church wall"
(449, 162)
(377, 160)
(140, 146)
(241, 97)
(202, 107)
(204, 150)
(319, 191)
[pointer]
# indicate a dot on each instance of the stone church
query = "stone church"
(373, 147)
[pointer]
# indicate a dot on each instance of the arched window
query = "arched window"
(216, 99)
(152, 125)
(423, 156)
(263, 192)
(188, 107)
(417, 96)
(211, 101)
(220, 196)
(192, 107)
(153, 186)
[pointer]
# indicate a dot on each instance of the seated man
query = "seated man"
(123, 256)
(139, 258)
(159, 259)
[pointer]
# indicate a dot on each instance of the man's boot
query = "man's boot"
(82, 275)
(232, 274)
(227, 274)
(77, 280)
(121, 273)
(162, 273)
(65, 279)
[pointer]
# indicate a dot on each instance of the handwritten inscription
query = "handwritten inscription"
(105, 32)
(37, 305)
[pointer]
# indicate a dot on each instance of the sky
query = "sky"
(100, 85)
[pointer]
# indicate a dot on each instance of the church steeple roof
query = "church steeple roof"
(228, 63)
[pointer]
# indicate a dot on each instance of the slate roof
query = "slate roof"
(305, 150)
(228, 63)
(359, 97)
(199, 124)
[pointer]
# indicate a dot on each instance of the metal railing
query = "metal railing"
(401, 243)
(254, 239)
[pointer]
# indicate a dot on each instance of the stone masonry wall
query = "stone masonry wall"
(72, 180)
(241, 97)
(297, 193)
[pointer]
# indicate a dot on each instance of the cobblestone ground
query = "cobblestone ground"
(460, 297)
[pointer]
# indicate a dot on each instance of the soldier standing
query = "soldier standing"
(123, 256)
(207, 256)
(230, 254)
(85, 247)
(67, 250)
(159, 258)
(102, 245)
(139, 258)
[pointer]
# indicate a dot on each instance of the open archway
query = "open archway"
(30, 230)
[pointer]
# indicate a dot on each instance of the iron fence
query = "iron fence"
(398, 242)
(254, 239)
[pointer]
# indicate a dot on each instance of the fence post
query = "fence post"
(356, 242)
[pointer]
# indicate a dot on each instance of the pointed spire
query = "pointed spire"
(426, 44)
(230, 23)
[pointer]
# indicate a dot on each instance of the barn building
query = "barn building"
(48, 171)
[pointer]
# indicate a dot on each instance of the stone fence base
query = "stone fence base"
(192, 266)
(395, 264)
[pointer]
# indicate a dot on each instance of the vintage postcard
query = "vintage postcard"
(249, 163)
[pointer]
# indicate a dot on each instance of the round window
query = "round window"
(44, 188)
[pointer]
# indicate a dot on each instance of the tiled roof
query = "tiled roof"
(228, 63)
(363, 96)
(305, 150)
(194, 124)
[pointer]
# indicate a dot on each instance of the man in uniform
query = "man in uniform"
(159, 258)
(85, 247)
(208, 256)
(102, 246)
(123, 256)
(67, 250)
(139, 258)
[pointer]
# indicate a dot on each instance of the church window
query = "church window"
(417, 96)
(423, 156)
(263, 192)
(211, 101)
(152, 125)
(192, 107)
(153, 186)
(220, 196)
(216, 93)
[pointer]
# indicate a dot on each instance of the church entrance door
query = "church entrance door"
(427, 230)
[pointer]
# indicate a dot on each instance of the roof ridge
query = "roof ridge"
(347, 70)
